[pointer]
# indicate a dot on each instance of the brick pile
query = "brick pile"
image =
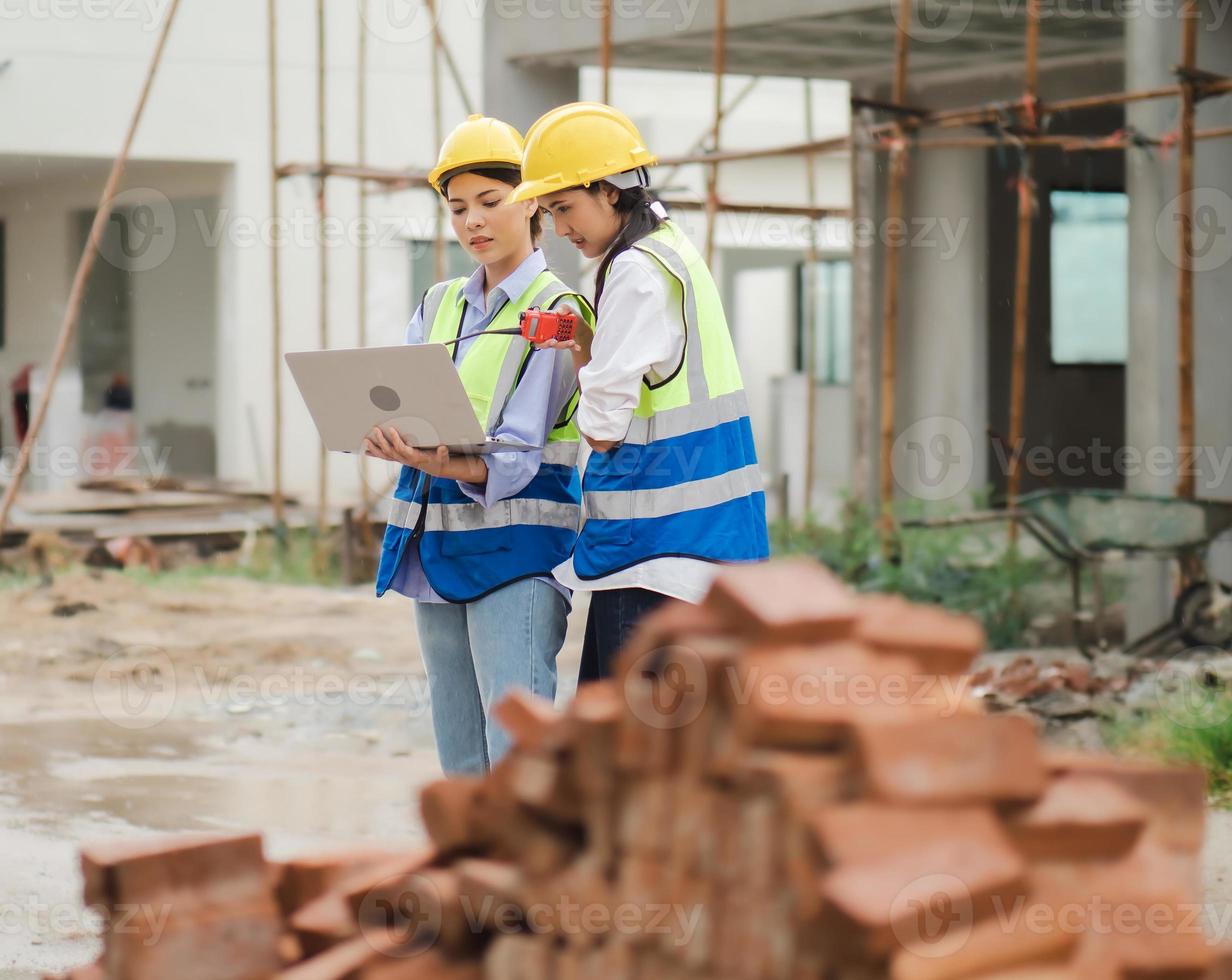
(787, 781)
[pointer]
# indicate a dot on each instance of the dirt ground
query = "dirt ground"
(219, 705)
(129, 708)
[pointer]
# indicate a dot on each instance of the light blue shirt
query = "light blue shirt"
(532, 410)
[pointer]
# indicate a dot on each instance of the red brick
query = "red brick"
(963, 759)
(323, 923)
(883, 898)
(1175, 795)
(447, 807)
(424, 908)
(1078, 818)
(189, 869)
(998, 942)
(810, 698)
(518, 957)
(544, 783)
(308, 876)
(941, 642)
(789, 601)
(238, 941)
(860, 832)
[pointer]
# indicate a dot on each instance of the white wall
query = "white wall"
(66, 99)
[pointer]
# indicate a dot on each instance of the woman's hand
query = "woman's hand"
(579, 345)
(600, 446)
(388, 444)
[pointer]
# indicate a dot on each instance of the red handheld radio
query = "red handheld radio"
(539, 326)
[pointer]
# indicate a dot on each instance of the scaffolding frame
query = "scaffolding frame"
(1018, 122)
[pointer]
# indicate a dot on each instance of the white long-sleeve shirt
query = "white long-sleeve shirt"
(640, 333)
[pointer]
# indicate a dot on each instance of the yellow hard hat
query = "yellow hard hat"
(479, 141)
(576, 145)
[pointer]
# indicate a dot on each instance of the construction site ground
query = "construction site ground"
(217, 704)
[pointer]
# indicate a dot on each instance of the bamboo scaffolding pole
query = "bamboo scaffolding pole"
(810, 303)
(889, 330)
(1068, 144)
(969, 116)
(361, 253)
(85, 264)
(279, 502)
(605, 51)
(1185, 279)
(1022, 272)
(831, 145)
(438, 137)
(786, 210)
(322, 270)
(712, 183)
(397, 180)
(995, 110)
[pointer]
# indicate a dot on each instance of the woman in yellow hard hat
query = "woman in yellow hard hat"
(473, 539)
(672, 489)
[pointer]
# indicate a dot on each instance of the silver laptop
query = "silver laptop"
(413, 387)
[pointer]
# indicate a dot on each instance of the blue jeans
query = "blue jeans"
(614, 613)
(475, 653)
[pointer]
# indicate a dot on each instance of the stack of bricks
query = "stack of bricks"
(787, 781)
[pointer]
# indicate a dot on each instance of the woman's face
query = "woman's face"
(590, 221)
(488, 228)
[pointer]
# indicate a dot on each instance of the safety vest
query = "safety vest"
(685, 481)
(468, 550)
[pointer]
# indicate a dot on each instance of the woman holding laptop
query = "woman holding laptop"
(672, 488)
(473, 539)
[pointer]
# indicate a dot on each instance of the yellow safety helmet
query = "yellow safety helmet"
(577, 144)
(480, 141)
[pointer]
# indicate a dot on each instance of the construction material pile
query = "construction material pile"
(787, 781)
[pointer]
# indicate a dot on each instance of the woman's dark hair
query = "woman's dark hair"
(634, 205)
(506, 175)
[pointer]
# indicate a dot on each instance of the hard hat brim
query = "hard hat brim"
(529, 189)
(441, 175)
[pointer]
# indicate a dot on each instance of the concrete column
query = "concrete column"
(520, 95)
(941, 454)
(1152, 46)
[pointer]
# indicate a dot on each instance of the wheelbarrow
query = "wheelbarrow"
(1086, 528)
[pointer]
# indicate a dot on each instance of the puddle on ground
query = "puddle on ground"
(186, 777)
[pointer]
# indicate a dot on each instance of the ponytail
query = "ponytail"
(637, 206)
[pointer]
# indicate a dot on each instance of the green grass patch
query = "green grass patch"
(301, 557)
(970, 568)
(1191, 727)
